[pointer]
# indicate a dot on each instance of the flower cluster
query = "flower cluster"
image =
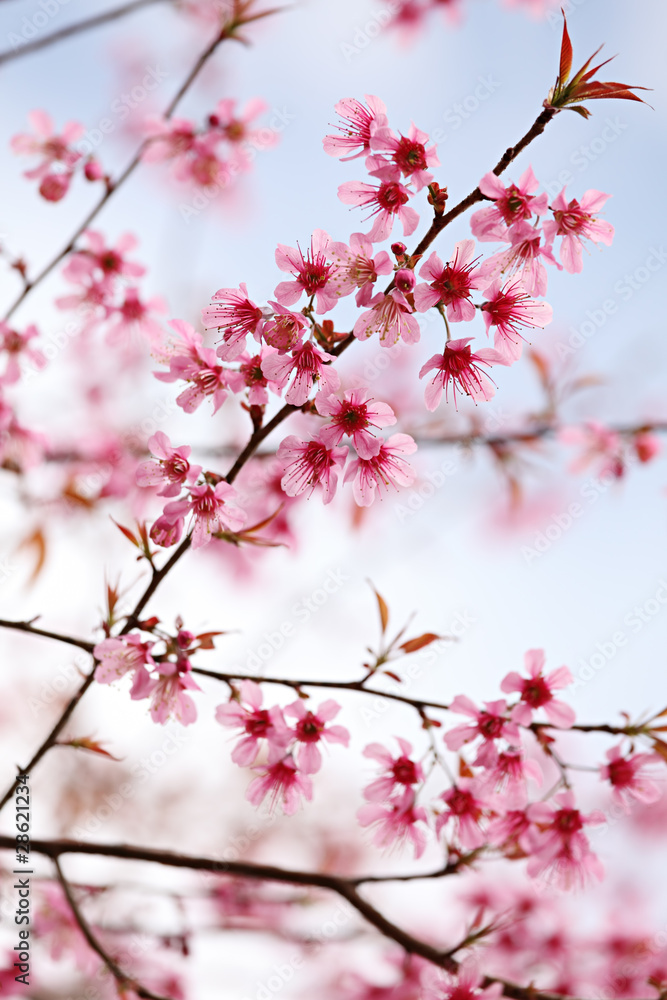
(213, 155)
(164, 676)
(209, 507)
(59, 156)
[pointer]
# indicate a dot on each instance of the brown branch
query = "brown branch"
(341, 886)
(74, 29)
(58, 636)
(122, 978)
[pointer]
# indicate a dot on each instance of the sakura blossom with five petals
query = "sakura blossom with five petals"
(536, 692)
(311, 728)
(576, 221)
(358, 123)
(256, 723)
(391, 318)
(459, 368)
(308, 464)
(352, 416)
(172, 468)
(388, 468)
(450, 284)
(508, 307)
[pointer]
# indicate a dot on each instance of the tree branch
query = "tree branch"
(58, 636)
(74, 29)
(122, 979)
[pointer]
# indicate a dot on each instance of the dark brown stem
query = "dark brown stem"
(74, 29)
(123, 980)
(58, 636)
(343, 887)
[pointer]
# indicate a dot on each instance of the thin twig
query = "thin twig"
(58, 636)
(122, 978)
(74, 29)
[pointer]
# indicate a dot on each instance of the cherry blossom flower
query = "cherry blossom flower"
(524, 257)
(168, 695)
(560, 849)
(308, 366)
(235, 127)
(17, 346)
(285, 329)
(508, 307)
(358, 123)
(281, 781)
(386, 200)
(628, 779)
(356, 267)
(256, 723)
(510, 828)
(167, 138)
(408, 152)
(491, 723)
(237, 316)
(254, 378)
(450, 284)
(388, 468)
(398, 773)
(396, 822)
(312, 273)
(601, 446)
(465, 985)
(172, 468)
(308, 464)
(509, 770)
(54, 150)
(576, 221)
(98, 261)
(510, 204)
(311, 728)
(466, 807)
(191, 361)
(536, 692)
(352, 416)
(167, 531)
(210, 509)
(459, 368)
(135, 317)
(121, 656)
(391, 318)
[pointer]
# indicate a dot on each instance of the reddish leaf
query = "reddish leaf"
(206, 639)
(464, 770)
(412, 645)
(394, 677)
(128, 534)
(88, 743)
(36, 542)
(565, 54)
(660, 747)
(382, 607)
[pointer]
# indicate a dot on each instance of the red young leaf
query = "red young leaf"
(565, 54)
(412, 645)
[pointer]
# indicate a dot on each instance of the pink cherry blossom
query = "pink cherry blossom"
(167, 531)
(211, 512)
(256, 723)
(459, 368)
(358, 123)
(312, 727)
(398, 773)
(234, 126)
(396, 822)
(169, 698)
(491, 723)
(53, 149)
(509, 770)
(167, 139)
(121, 656)
(308, 367)
(352, 416)
(237, 316)
(466, 808)
(284, 330)
(388, 468)
(256, 382)
(628, 779)
(465, 985)
(508, 307)
(17, 346)
(135, 317)
(450, 284)
(576, 221)
(172, 468)
(524, 257)
(312, 273)
(391, 318)
(560, 849)
(356, 267)
(510, 204)
(601, 446)
(100, 262)
(281, 781)
(536, 692)
(308, 464)
(386, 201)
(190, 361)
(408, 152)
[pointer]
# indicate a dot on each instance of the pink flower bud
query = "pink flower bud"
(405, 279)
(93, 170)
(54, 187)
